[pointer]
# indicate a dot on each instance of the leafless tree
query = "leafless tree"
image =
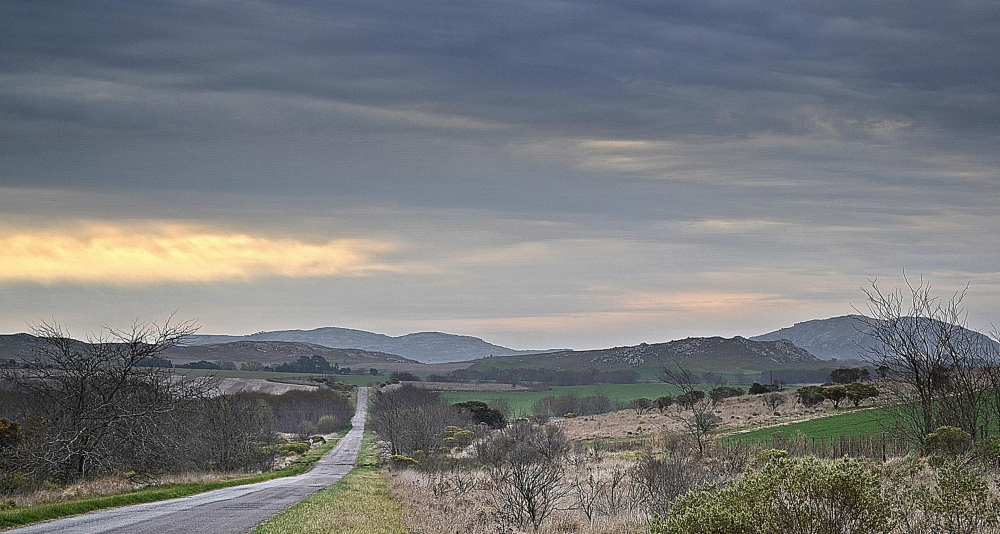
(524, 471)
(410, 418)
(772, 401)
(661, 478)
(98, 409)
(642, 406)
(932, 370)
(697, 415)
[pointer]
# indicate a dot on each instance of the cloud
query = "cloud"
(155, 252)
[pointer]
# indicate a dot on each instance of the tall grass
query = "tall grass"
(359, 503)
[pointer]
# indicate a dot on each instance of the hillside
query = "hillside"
(842, 337)
(19, 346)
(426, 347)
(707, 354)
(271, 352)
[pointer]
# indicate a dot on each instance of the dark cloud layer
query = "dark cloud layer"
(855, 136)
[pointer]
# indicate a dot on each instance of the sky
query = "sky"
(540, 174)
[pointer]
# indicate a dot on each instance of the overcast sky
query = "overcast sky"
(536, 173)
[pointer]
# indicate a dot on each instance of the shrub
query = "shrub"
(295, 447)
(482, 413)
(960, 502)
(327, 424)
(787, 496)
(947, 440)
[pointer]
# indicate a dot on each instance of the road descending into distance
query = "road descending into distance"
(235, 510)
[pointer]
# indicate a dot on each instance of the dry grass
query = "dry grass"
(112, 485)
(359, 504)
(457, 503)
(736, 412)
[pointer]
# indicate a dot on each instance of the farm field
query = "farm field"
(851, 423)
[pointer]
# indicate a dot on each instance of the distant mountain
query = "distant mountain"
(426, 347)
(842, 337)
(21, 346)
(271, 352)
(702, 353)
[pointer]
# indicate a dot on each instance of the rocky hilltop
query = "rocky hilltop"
(734, 350)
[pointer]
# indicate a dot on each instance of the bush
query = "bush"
(947, 440)
(960, 502)
(787, 496)
(482, 413)
(327, 424)
(295, 447)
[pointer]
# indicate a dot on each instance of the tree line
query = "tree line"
(81, 410)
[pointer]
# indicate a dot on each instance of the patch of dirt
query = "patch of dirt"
(745, 413)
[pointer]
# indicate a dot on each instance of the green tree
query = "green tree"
(859, 392)
(836, 394)
(811, 396)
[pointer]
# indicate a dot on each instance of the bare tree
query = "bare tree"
(410, 418)
(932, 370)
(642, 405)
(697, 415)
(524, 471)
(772, 401)
(97, 408)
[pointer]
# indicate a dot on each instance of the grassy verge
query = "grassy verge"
(55, 510)
(359, 503)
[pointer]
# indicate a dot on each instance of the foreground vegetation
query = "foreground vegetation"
(53, 510)
(92, 419)
(359, 503)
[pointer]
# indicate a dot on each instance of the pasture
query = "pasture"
(849, 423)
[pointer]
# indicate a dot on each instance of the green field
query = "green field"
(522, 401)
(851, 423)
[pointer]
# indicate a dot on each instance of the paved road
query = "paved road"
(225, 511)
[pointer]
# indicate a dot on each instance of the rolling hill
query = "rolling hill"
(426, 347)
(841, 337)
(20, 346)
(707, 354)
(272, 352)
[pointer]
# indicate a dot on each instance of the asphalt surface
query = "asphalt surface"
(234, 510)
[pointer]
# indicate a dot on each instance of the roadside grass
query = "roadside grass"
(852, 423)
(359, 503)
(54, 510)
